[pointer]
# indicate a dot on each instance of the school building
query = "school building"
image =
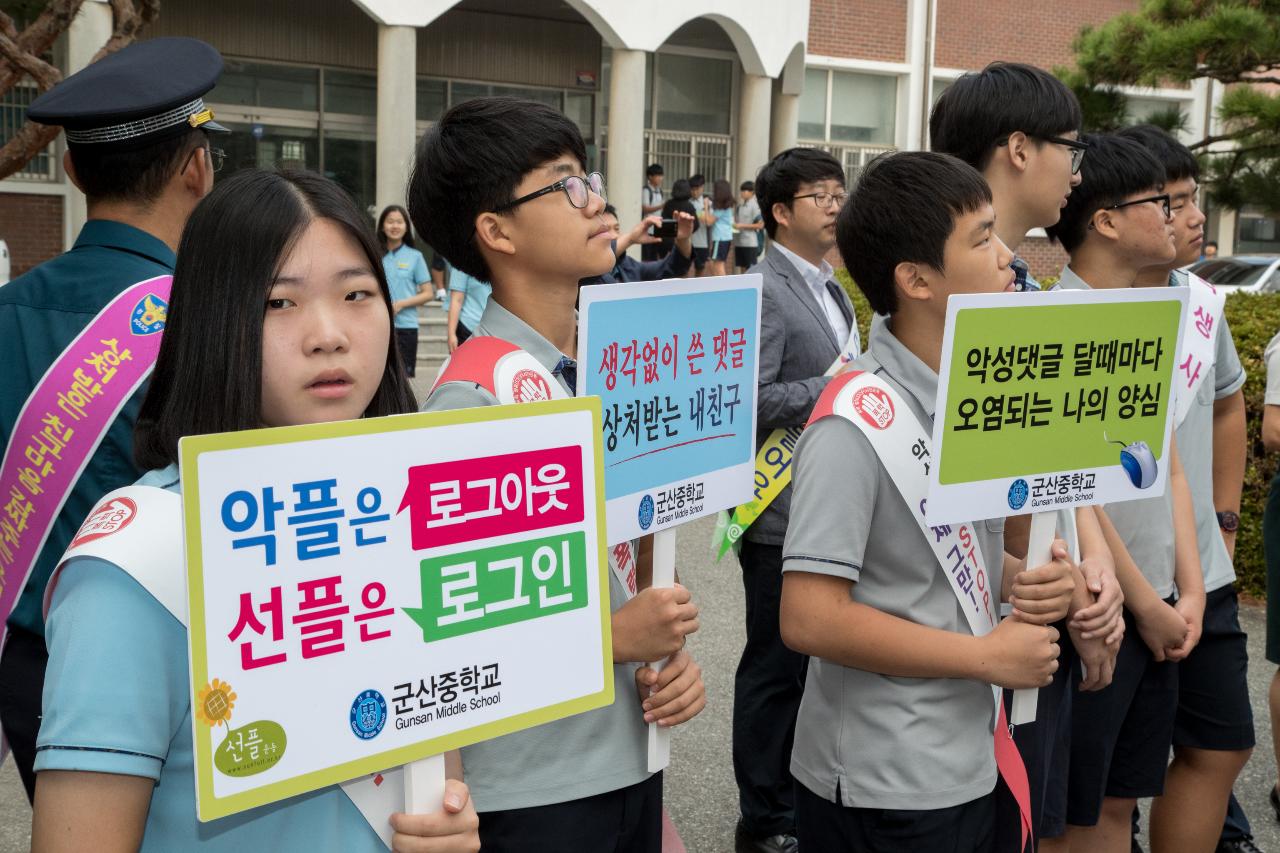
(346, 87)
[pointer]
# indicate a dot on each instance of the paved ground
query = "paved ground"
(700, 792)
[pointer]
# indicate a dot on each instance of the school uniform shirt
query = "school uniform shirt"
(722, 230)
(885, 742)
(41, 313)
(117, 699)
(652, 195)
(700, 206)
(475, 297)
(1271, 358)
(1146, 525)
(580, 756)
(1195, 446)
(817, 278)
(747, 213)
(406, 268)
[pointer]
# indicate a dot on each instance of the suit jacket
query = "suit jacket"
(796, 348)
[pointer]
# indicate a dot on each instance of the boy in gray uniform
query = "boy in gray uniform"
(894, 746)
(1213, 730)
(1117, 223)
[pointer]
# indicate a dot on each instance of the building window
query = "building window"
(693, 93)
(13, 114)
(251, 84)
(848, 107)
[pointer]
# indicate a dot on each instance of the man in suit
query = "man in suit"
(806, 320)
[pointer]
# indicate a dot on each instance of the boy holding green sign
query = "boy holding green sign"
(899, 712)
(1117, 223)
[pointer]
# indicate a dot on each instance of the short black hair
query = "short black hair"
(654, 169)
(1213, 243)
(983, 107)
(747, 186)
(473, 160)
(1179, 162)
(784, 174)
(208, 375)
(382, 218)
(138, 175)
(611, 210)
(680, 190)
(1118, 167)
(697, 180)
(903, 209)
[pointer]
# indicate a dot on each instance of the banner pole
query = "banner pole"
(1039, 552)
(664, 576)
(424, 785)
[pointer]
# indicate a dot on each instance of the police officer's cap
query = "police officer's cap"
(138, 95)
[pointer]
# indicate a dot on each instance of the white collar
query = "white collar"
(815, 277)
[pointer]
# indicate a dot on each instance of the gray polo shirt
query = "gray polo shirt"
(1146, 526)
(702, 204)
(580, 756)
(1195, 447)
(747, 213)
(1271, 357)
(887, 742)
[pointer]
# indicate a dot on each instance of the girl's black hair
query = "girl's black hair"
(408, 227)
(208, 376)
(722, 194)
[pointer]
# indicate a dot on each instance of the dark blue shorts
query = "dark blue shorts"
(1213, 687)
(699, 257)
(720, 249)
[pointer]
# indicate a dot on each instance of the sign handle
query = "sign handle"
(1039, 552)
(424, 785)
(664, 576)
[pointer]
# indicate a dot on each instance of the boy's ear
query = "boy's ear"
(1105, 223)
(1017, 152)
(911, 281)
(492, 235)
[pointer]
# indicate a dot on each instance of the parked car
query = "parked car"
(1241, 273)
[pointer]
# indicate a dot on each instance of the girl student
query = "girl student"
(720, 220)
(407, 277)
(280, 315)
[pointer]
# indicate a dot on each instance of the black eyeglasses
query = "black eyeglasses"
(1163, 199)
(576, 188)
(823, 200)
(217, 158)
(1077, 148)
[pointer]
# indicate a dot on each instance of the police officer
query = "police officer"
(138, 146)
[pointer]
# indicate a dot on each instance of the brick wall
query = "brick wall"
(1044, 258)
(859, 29)
(972, 33)
(32, 227)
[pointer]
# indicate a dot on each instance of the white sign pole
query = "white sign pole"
(1039, 552)
(664, 577)
(424, 785)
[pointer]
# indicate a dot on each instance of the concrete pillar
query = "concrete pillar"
(397, 111)
(1226, 235)
(918, 78)
(753, 127)
(785, 122)
(626, 134)
(87, 34)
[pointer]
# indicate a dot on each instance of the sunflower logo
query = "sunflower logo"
(214, 703)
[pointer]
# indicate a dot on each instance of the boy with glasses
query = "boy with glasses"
(1018, 125)
(806, 323)
(1117, 224)
(1213, 731)
(525, 218)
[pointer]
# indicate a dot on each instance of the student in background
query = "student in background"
(468, 297)
(750, 228)
(407, 277)
(701, 236)
(721, 226)
(651, 202)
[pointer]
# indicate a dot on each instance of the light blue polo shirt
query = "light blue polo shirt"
(117, 699)
(722, 230)
(406, 269)
(476, 296)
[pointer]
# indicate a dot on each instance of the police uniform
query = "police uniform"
(143, 94)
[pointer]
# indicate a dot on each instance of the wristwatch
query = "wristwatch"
(1229, 521)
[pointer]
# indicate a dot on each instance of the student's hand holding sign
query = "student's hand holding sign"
(1042, 595)
(454, 829)
(1017, 654)
(654, 624)
(675, 695)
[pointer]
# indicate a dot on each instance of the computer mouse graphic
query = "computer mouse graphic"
(1138, 462)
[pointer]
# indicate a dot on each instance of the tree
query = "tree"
(22, 59)
(1233, 42)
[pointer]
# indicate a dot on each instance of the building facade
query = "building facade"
(715, 87)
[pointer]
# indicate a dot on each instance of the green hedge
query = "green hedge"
(1253, 319)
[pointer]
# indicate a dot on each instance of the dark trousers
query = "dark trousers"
(407, 344)
(834, 828)
(766, 698)
(463, 333)
(22, 668)
(1236, 825)
(628, 820)
(652, 252)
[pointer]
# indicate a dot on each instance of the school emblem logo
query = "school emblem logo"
(875, 407)
(149, 315)
(645, 516)
(527, 386)
(1018, 494)
(368, 715)
(110, 517)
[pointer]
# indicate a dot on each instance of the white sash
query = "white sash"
(875, 408)
(139, 530)
(1199, 337)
